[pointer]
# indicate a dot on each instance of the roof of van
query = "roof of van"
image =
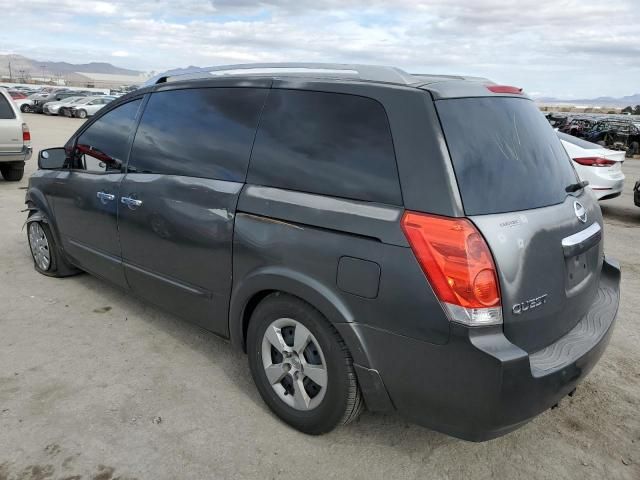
(338, 71)
(439, 86)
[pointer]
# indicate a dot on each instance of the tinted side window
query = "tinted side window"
(206, 132)
(326, 143)
(103, 146)
(6, 112)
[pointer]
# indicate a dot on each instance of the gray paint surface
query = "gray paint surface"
(81, 386)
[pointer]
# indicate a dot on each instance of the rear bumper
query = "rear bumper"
(608, 189)
(21, 156)
(480, 386)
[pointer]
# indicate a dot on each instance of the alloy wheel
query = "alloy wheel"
(39, 246)
(294, 364)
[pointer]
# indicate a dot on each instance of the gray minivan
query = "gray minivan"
(411, 243)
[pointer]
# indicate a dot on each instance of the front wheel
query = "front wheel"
(81, 114)
(47, 258)
(301, 366)
(25, 108)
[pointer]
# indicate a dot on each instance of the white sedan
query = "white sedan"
(601, 167)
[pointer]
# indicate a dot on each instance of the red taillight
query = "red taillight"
(458, 263)
(26, 135)
(594, 161)
(504, 89)
(17, 96)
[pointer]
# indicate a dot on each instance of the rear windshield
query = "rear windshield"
(6, 112)
(505, 155)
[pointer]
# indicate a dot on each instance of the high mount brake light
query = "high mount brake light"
(458, 263)
(504, 89)
(594, 161)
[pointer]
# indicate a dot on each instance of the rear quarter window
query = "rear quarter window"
(6, 112)
(505, 155)
(326, 143)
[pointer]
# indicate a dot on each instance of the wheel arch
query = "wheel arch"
(40, 211)
(252, 289)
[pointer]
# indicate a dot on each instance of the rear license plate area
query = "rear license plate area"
(577, 269)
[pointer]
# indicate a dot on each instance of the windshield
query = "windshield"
(505, 155)
(70, 99)
(84, 100)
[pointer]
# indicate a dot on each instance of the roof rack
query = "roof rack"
(374, 73)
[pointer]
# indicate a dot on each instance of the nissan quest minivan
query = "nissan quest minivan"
(369, 237)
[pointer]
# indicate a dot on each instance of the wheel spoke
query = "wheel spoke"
(274, 336)
(301, 338)
(317, 373)
(300, 397)
(275, 373)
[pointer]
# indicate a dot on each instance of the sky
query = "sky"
(560, 48)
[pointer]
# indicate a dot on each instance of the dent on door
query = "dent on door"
(176, 237)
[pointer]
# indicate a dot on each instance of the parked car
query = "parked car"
(86, 107)
(578, 126)
(53, 108)
(39, 103)
(557, 120)
(598, 165)
(365, 236)
(636, 194)
(22, 101)
(15, 139)
(618, 134)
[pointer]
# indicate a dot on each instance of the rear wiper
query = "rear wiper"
(574, 187)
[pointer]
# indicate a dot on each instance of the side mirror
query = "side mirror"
(52, 159)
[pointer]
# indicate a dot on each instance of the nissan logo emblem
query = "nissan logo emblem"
(581, 213)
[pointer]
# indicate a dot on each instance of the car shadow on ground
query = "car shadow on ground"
(628, 216)
(388, 430)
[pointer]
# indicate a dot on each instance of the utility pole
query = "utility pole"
(10, 75)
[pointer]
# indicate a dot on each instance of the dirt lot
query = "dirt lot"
(97, 385)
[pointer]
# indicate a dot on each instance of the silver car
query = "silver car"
(15, 139)
(87, 106)
(53, 108)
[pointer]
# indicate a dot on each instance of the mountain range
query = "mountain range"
(629, 100)
(21, 65)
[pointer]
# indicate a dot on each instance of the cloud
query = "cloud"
(557, 47)
(120, 53)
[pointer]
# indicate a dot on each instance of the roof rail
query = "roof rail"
(373, 73)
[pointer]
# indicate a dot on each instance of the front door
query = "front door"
(86, 195)
(177, 202)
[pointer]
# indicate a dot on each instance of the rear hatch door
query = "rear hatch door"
(512, 172)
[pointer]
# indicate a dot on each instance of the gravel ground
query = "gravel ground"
(96, 385)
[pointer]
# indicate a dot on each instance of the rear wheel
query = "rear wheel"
(81, 114)
(25, 108)
(301, 366)
(12, 172)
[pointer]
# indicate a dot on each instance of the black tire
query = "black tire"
(58, 266)
(24, 108)
(342, 401)
(81, 114)
(12, 172)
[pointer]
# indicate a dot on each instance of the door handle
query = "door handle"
(131, 202)
(105, 196)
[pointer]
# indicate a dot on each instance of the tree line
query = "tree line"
(632, 110)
